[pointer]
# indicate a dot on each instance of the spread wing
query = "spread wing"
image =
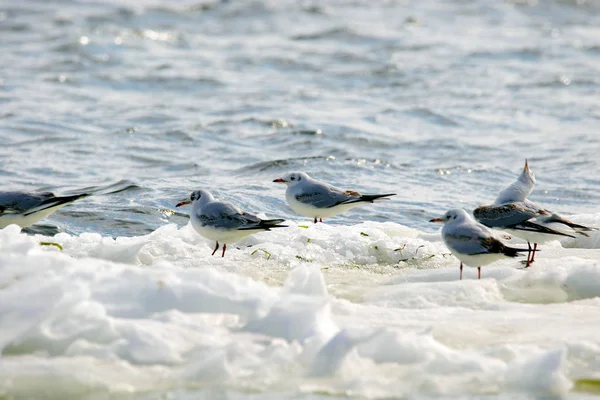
(324, 196)
(507, 215)
(227, 216)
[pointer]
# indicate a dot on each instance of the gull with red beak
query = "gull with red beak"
(224, 222)
(318, 200)
(512, 212)
(471, 242)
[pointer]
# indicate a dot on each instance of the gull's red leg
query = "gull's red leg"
(533, 252)
(320, 219)
(224, 248)
(215, 250)
(478, 272)
(461, 271)
(315, 220)
(528, 255)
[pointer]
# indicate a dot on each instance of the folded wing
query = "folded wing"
(221, 215)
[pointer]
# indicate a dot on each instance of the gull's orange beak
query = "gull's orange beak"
(183, 203)
(436, 220)
(280, 180)
(526, 166)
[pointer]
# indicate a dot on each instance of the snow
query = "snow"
(373, 310)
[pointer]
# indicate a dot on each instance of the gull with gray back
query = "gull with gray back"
(471, 242)
(514, 213)
(318, 200)
(223, 222)
(25, 209)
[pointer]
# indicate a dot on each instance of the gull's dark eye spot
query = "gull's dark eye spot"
(293, 178)
(299, 178)
(454, 217)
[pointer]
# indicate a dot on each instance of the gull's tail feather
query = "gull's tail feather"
(265, 224)
(55, 202)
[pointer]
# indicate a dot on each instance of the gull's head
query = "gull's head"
(520, 189)
(527, 176)
(196, 196)
(293, 178)
(451, 216)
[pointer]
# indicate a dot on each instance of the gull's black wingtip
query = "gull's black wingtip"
(514, 251)
(71, 198)
(265, 224)
(373, 197)
(65, 199)
(55, 201)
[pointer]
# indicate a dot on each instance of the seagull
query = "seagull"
(25, 209)
(318, 200)
(224, 222)
(514, 213)
(471, 242)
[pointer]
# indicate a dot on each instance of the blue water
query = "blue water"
(439, 101)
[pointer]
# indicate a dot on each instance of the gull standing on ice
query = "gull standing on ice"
(318, 200)
(513, 213)
(25, 209)
(224, 222)
(471, 242)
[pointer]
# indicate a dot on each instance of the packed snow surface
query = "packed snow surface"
(372, 310)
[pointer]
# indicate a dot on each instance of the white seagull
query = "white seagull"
(318, 200)
(25, 209)
(224, 222)
(513, 213)
(471, 242)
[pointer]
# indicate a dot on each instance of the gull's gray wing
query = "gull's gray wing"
(506, 215)
(227, 216)
(320, 195)
(470, 239)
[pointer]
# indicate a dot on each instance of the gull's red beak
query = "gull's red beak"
(183, 203)
(280, 180)
(526, 165)
(436, 220)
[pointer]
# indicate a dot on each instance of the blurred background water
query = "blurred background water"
(439, 101)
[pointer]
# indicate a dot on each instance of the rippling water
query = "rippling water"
(438, 101)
